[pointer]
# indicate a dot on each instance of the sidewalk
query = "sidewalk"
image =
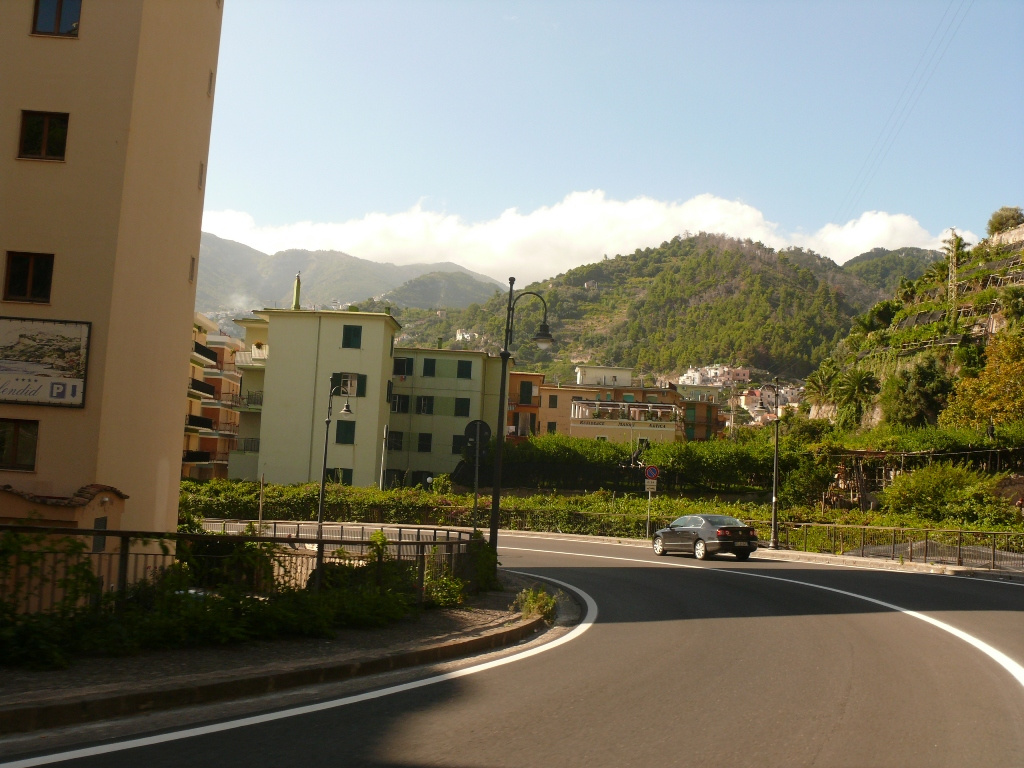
(101, 688)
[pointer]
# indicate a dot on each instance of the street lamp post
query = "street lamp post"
(773, 542)
(323, 480)
(543, 340)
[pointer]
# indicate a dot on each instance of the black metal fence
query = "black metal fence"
(45, 569)
(976, 549)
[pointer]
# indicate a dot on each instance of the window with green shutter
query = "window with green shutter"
(462, 406)
(346, 433)
(352, 337)
(465, 369)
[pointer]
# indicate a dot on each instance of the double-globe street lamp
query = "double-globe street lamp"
(543, 340)
(347, 410)
(773, 542)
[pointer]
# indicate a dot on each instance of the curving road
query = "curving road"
(714, 663)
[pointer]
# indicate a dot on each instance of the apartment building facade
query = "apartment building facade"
(105, 120)
(437, 393)
(321, 361)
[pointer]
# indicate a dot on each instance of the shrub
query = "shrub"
(947, 493)
(535, 601)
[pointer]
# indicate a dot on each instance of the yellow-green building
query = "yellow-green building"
(294, 359)
(437, 393)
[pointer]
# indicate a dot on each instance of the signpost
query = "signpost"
(650, 485)
(477, 432)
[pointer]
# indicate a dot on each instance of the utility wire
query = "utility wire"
(918, 81)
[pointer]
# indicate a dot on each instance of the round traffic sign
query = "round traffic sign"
(651, 472)
(478, 427)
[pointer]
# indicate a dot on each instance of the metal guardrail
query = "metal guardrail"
(39, 562)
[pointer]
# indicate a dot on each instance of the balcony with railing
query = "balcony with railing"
(204, 353)
(591, 410)
(197, 422)
(252, 400)
(197, 387)
(247, 445)
(195, 457)
(225, 427)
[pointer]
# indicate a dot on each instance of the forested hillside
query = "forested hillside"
(695, 300)
(883, 269)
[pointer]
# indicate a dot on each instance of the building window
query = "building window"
(352, 337)
(395, 440)
(192, 270)
(552, 427)
(349, 384)
(28, 277)
(339, 475)
(18, 444)
(425, 404)
(391, 388)
(552, 401)
(399, 403)
(462, 406)
(429, 365)
(44, 135)
(346, 434)
(423, 443)
(458, 444)
(402, 366)
(464, 369)
(57, 17)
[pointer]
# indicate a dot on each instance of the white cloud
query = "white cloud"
(580, 229)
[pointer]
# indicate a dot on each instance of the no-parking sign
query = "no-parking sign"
(651, 472)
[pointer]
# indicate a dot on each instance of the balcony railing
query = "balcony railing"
(204, 351)
(254, 399)
(195, 457)
(231, 399)
(247, 445)
(225, 427)
(600, 409)
(202, 387)
(201, 422)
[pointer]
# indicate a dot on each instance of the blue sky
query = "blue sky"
(535, 136)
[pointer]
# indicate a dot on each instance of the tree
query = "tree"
(995, 395)
(1005, 218)
(852, 390)
(914, 397)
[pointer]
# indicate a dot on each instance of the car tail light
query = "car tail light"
(753, 533)
(723, 532)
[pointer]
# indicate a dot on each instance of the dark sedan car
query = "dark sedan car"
(706, 535)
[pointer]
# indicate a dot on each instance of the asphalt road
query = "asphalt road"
(716, 663)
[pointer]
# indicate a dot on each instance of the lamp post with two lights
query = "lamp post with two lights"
(347, 410)
(543, 340)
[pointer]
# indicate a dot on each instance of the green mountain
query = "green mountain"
(441, 289)
(236, 278)
(695, 300)
(883, 269)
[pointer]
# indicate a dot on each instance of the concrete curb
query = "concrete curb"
(77, 710)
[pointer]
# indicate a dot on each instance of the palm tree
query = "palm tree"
(855, 386)
(818, 387)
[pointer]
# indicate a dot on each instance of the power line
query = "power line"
(904, 106)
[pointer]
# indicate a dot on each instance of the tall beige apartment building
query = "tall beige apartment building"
(105, 113)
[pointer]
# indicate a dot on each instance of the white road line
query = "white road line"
(577, 538)
(996, 655)
(103, 749)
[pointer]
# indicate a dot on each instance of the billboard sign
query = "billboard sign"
(43, 362)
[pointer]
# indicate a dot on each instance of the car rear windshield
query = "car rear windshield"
(723, 520)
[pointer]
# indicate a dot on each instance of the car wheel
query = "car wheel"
(699, 550)
(742, 555)
(659, 546)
